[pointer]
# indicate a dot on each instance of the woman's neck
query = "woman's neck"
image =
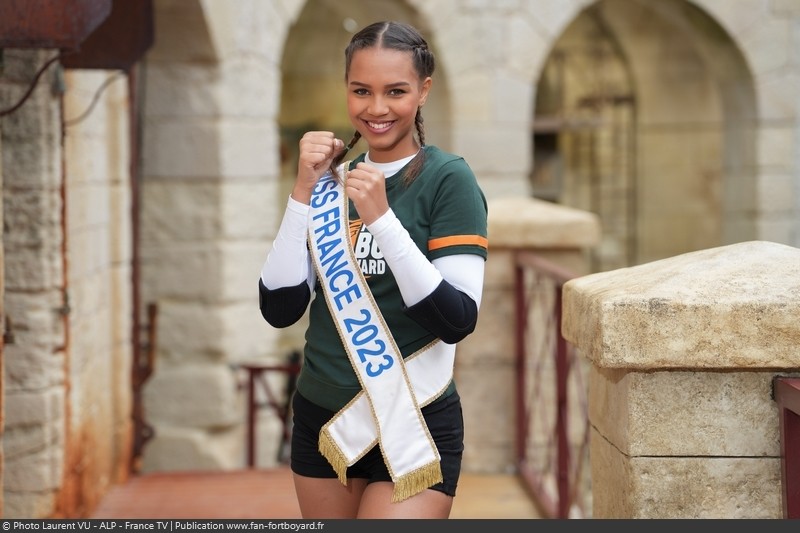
(391, 168)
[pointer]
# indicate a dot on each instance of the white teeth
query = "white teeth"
(379, 125)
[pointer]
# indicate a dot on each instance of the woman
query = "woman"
(392, 245)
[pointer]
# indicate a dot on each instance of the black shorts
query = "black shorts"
(445, 423)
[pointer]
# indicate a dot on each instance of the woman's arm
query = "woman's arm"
(286, 279)
(444, 295)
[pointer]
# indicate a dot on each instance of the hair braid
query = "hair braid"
(340, 156)
(415, 166)
(418, 122)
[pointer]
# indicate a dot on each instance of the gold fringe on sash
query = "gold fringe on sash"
(404, 487)
(331, 452)
(417, 481)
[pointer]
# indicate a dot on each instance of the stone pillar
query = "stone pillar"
(683, 354)
(485, 365)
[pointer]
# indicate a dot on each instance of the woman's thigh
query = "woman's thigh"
(328, 497)
(376, 502)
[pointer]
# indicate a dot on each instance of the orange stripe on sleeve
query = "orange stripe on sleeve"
(458, 240)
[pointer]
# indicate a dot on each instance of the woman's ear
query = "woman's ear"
(424, 90)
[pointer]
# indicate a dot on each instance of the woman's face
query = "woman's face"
(383, 94)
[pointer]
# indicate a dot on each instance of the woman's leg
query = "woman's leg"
(319, 491)
(446, 424)
(327, 497)
(376, 502)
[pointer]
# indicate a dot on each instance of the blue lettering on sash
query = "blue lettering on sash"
(364, 335)
(326, 183)
(331, 227)
(327, 249)
(370, 349)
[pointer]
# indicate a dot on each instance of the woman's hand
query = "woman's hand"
(366, 187)
(317, 150)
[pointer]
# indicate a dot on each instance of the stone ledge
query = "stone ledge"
(731, 307)
(530, 223)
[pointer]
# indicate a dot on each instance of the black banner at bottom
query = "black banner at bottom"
(287, 525)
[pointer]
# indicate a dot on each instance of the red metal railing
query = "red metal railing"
(787, 394)
(552, 417)
(261, 395)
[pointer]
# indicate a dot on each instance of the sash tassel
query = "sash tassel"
(335, 456)
(416, 481)
(405, 486)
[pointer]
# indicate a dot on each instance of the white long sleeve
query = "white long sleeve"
(288, 262)
(415, 275)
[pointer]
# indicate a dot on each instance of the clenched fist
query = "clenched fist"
(317, 150)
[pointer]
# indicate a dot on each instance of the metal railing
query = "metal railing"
(260, 395)
(787, 394)
(552, 453)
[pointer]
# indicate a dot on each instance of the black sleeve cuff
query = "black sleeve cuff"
(285, 306)
(447, 312)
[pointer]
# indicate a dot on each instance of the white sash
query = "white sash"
(387, 410)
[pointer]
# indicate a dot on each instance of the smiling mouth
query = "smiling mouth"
(379, 126)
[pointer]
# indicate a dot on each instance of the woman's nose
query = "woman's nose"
(378, 107)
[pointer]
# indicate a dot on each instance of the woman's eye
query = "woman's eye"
(397, 92)
(360, 92)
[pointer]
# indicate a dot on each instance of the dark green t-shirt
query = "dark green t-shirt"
(444, 211)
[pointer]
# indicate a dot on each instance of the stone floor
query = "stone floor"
(269, 493)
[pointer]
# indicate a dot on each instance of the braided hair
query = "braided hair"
(400, 36)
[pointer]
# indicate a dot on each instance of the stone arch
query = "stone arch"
(644, 115)
(208, 163)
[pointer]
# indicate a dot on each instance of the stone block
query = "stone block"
(767, 45)
(488, 457)
(34, 269)
(174, 211)
(777, 94)
(34, 408)
(195, 331)
(30, 367)
(683, 487)
(121, 297)
(182, 449)
(247, 147)
(493, 338)
(184, 272)
(520, 223)
(487, 144)
(488, 410)
(198, 396)
(185, 90)
(711, 309)
(38, 471)
(27, 504)
(783, 229)
(499, 269)
(776, 147)
(185, 148)
(526, 34)
(248, 336)
(120, 224)
(722, 414)
(775, 193)
(252, 209)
